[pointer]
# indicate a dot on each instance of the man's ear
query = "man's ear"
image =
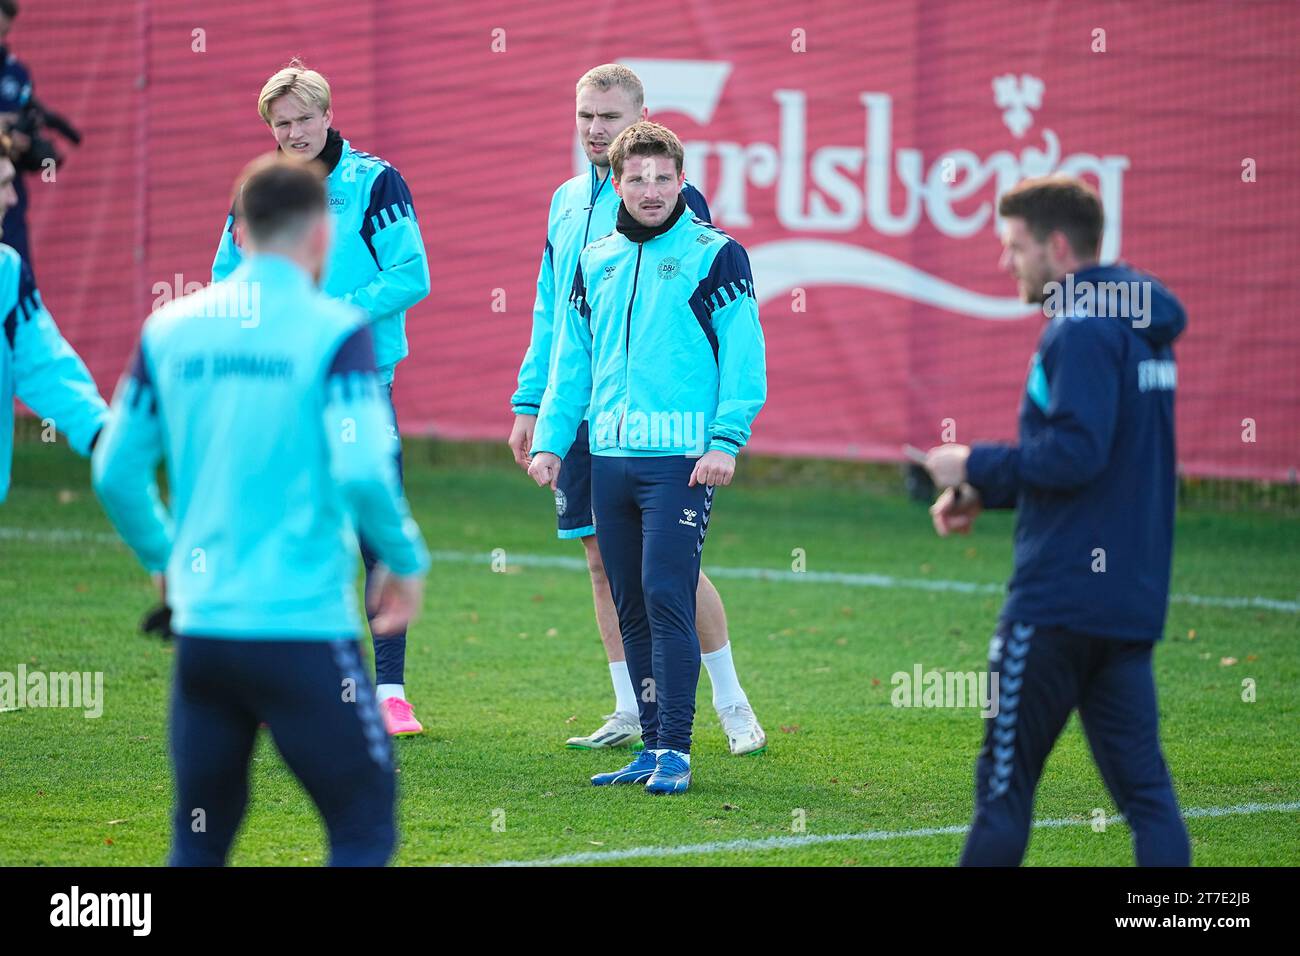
(329, 117)
(1058, 244)
(617, 190)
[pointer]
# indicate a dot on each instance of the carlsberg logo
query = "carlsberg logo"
(840, 188)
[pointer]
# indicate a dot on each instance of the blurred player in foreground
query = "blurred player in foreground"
(660, 350)
(261, 394)
(610, 98)
(36, 364)
(1093, 479)
(377, 262)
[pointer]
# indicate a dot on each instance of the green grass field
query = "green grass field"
(503, 667)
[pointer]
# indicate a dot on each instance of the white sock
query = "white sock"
(685, 756)
(722, 674)
(624, 695)
(385, 691)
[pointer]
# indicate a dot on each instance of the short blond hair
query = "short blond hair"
(297, 81)
(645, 139)
(609, 75)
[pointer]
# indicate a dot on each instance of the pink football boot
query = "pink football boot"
(399, 719)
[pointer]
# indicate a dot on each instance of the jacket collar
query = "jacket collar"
(637, 232)
(332, 151)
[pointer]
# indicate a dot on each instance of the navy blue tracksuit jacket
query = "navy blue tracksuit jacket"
(1093, 476)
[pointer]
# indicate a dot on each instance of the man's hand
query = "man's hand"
(713, 468)
(955, 511)
(545, 469)
(947, 464)
(521, 439)
(393, 601)
(159, 619)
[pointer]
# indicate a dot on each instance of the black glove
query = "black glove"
(159, 622)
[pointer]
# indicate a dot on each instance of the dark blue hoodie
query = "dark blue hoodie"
(1093, 475)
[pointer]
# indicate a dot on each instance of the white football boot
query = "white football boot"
(619, 729)
(744, 735)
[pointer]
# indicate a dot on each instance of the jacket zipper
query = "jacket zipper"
(586, 233)
(627, 346)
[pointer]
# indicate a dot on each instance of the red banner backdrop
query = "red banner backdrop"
(856, 150)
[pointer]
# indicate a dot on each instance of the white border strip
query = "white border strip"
(793, 842)
(846, 578)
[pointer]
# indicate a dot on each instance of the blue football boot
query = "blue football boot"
(638, 771)
(672, 774)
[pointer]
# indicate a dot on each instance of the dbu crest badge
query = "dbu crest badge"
(561, 503)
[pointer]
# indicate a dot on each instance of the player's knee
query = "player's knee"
(663, 597)
(595, 564)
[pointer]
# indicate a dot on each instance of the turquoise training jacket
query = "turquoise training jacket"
(261, 394)
(38, 366)
(660, 347)
(582, 209)
(377, 261)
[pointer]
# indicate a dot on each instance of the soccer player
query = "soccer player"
(1093, 479)
(377, 263)
(275, 429)
(661, 342)
(610, 98)
(36, 363)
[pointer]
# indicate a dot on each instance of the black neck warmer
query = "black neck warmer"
(332, 152)
(629, 227)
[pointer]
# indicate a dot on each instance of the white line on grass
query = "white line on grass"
(846, 578)
(849, 578)
(814, 839)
